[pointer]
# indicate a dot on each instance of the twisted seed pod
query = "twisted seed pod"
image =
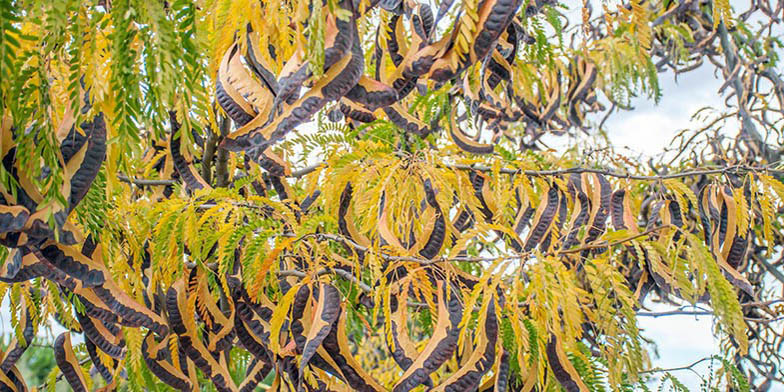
(66, 361)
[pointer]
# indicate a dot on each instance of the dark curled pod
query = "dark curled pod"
(738, 251)
(563, 370)
(602, 193)
(89, 246)
(501, 383)
(13, 218)
(345, 217)
(464, 141)
(12, 381)
(463, 221)
(544, 246)
(249, 340)
(727, 216)
(402, 348)
(579, 218)
(192, 344)
(231, 100)
(190, 176)
(406, 121)
(85, 166)
(301, 301)
(281, 187)
(705, 215)
(545, 213)
(356, 112)
(334, 84)
(438, 235)
(256, 65)
(129, 310)
(395, 37)
(95, 307)
(16, 347)
(372, 94)
(66, 361)
(269, 161)
(618, 210)
(324, 316)
(308, 201)
(500, 16)
(12, 265)
(7, 384)
(99, 335)
(441, 345)
(478, 182)
(468, 377)
(22, 194)
(394, 6)
(293, 75)
(161, 368)
(337, 347)
(74, 264)
(72, 143)
(230, 106)
(298, 326)
(104, 371)
(676, 218)
(339, 42)
(423, 21)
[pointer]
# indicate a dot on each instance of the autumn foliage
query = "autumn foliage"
(355, 195)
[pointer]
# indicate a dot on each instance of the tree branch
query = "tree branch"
(534, 173)
(610, 244)
(145, 182)
(687, 367)
(611, 173)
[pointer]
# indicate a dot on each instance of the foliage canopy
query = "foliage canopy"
(148, 202)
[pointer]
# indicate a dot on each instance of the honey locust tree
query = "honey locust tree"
(354, 194)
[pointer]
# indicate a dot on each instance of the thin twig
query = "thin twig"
(687, 367)
(675, 313)
(534, 173)
(773, 271)
(145, 182)
(611, 173)
(326, 271)
(604, 244)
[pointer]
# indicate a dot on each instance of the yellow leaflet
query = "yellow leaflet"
(741, 210)
(472, 299)
(268, 262)
(279, 315)
(682, 193)
(768, 214)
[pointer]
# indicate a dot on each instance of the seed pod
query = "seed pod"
(563, 370)
(66, 361)
(441, 345)
(468, 377)
(161, 367)
(183, 164)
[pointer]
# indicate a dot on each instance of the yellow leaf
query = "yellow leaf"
(279, 316)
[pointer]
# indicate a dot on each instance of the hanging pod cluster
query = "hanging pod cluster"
(43, 243)
(558, 228)
(266, 103)
(299, 331)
